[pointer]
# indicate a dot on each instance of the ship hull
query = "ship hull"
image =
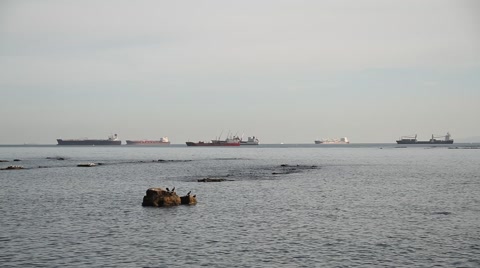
(147, 143)
(189, 143)
(88, 142)
(424, 142)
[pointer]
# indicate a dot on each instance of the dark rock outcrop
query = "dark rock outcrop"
(86, 165)
(188, 200)
(159, 197)
(12, 168)
(56, 158)
(289, 169)
(212, 180)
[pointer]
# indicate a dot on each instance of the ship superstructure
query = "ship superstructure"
(250, 141)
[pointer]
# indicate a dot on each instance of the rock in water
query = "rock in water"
(12, 168)
(188, 200)
(158, 197)
(211, 180)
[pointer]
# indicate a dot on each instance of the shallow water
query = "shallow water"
(342, 206)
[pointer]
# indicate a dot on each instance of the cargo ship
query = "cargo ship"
(250, 141)
(162, 141)
(343, 140)
(230, 141)
(112, 140)
(434, 140)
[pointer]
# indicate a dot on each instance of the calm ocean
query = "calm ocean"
(342, 206)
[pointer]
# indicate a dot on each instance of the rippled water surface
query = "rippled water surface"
(341, 206)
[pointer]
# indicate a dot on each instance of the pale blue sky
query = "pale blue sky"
(285, 71)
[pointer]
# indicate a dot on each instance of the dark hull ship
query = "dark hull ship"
(434, 140)
(112, 140)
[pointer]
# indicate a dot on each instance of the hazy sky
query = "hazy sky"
(285, 71)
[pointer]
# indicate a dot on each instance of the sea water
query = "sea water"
(342, 206)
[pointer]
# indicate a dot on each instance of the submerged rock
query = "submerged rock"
(212, 180)
(12, 168)
(86, 165)
(289, 169)
(159, 197)
(56, 158)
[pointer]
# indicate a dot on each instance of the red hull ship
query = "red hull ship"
(235, 141)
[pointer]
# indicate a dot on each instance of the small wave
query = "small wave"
(441, 213)
(383, 245)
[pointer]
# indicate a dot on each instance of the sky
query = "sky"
(284, 71)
